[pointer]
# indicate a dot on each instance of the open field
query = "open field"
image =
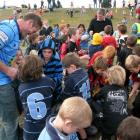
(59, 16)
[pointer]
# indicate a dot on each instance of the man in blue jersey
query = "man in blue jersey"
(11, 32)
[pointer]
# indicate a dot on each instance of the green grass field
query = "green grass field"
(59, 16)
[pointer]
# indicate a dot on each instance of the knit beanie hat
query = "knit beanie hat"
(97, 39)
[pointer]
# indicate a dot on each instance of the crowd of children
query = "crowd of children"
(75, 80)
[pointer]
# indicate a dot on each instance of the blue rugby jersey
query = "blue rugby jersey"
(77, 84)
(9, 44)
(36, 97)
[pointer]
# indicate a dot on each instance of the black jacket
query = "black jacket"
(98, 26)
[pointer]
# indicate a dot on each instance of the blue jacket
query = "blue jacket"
(84, 43)
(52, 133)
(9, 44)
(53, 68)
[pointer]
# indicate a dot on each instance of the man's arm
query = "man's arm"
(6, 34)
(10, 71)
(90, 28)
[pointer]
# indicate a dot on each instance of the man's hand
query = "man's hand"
(12, 72)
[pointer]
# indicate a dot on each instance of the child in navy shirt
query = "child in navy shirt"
(76, 81)
(36, 94)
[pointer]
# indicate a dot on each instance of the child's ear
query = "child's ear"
(68, 123)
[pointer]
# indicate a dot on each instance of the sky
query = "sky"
(65, 3)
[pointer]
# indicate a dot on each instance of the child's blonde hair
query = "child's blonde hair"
(132, 61)
(77, 110)
(116, 75)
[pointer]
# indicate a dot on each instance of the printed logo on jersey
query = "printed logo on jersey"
(3, 36)
(118, 101)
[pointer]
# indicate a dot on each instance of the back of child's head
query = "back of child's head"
(131, 41)
(122, 28)
(71, 59)
(108, 29)
(72, 32)
(129, 129)
(97, 39)
(136, 50)
(116, 75)
(31, 68)
(132, 61)
(64, 38)
(100, 63)
(109, 52)
(77, 110)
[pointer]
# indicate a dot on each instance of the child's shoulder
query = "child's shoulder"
(44, 135)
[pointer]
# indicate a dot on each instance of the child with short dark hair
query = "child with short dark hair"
(131, 42)
(125, 52)
(36, 94)
(68, 121)
(113, 101)
(129, 129)
(52, 64)
(76, 81)
(108, 39)
(136, 50)
(72, 47)
(123, 36)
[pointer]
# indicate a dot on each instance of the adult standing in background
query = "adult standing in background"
(100, 3)
(136, 29)
(11, 32)
(95, 3)
(99, 22)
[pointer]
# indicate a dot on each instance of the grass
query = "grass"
(59, 16)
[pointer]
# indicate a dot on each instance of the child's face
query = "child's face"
(69, 127)
(135, 70)
(47, 54)
(70, 69)
(100, 71)
(74, 37)
(19, 57)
